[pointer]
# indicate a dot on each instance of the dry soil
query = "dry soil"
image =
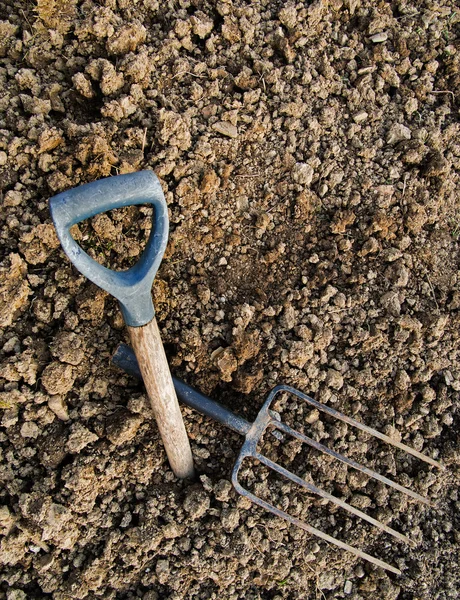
(310, 157)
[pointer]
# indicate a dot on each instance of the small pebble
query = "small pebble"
(226, 128)
(334, 379)
(196, 503)
(230, 518)
(30, 430)
(398, 133)
(360, 116)
(59, 407)
(79, 438)
(302, 173)
(378, 38)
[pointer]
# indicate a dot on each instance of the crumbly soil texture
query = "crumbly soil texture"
(309, 154)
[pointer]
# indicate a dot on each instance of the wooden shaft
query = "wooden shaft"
(150, 354)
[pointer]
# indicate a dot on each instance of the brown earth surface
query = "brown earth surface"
(310, 158)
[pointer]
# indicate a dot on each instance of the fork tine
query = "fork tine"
(348, 461)
(338, 415)
(316, 490)
(318, 533)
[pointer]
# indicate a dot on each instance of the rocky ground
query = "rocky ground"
(310, 158)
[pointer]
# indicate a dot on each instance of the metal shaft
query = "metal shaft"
(125, 359)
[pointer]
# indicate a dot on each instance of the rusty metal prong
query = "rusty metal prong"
(381, 436)
(317, 532)
(318, 491)
(348, 461)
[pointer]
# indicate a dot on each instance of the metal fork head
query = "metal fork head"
(269, 419)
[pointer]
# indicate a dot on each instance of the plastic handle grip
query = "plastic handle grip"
(132, 288)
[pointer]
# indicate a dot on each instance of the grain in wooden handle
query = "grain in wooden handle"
(150, 354)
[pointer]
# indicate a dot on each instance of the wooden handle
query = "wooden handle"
(150, 354)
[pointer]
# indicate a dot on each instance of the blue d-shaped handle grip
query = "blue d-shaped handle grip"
(133, 287)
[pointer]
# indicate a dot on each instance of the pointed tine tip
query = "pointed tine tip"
(406, 540)
(431, 461)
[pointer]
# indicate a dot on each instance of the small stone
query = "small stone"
(14, 594)
(302, 173)
(360, 501)
(126, 519)
(12, 345)
(366, 70)
(334, 379)
(35, 106)
(79, 438)
(202, 25)
(43, 563)
(327, 580)
(172, 531)
(400, 275)
(30, 430)
(226, 128)
(58, 378)
(398, 133)
(83, 85)
(7, 520)
(162, 570)
(348, 587)
(288, 16)
(230, 519)
(59, 407)
(68, 348)
(360, 116)
(391, 254)
(402, 380)
(390, 301)
(411, 105)
(197, 503)
(222, 490)
(435, 165)
(226, 363)
(210, 182)
(359, 571)
(313, 416)
(127, 39)
(49, 139)
(288, 318)
(122, 426)
(203, 293)
(329, 293)
(299, 353)
(378, 38)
